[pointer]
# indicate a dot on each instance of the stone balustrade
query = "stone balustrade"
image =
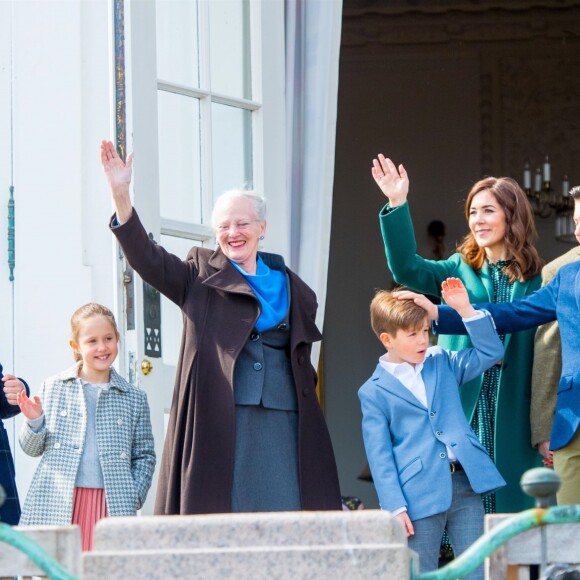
(313, 545)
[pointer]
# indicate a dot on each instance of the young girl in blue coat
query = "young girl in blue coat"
(93, 431)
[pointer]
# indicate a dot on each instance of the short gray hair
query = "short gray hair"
(258, 201)
(575, 192)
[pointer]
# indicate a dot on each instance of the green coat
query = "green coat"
(513, 451)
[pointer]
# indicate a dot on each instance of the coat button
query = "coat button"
(282, 326)
(63, 413)
(438, 433)
(305, 391)
(254, 336)
(301, 359)
(257, 366)
(57, 445)
(442, 455)
(432, 414)
(119, 422)
(123, 455)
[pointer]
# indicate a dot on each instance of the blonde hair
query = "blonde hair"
(520, 231)
(84, 312)
(389, 314)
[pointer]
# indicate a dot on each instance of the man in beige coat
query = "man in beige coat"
(547, 369)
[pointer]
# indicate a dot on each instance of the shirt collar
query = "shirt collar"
(400, 369)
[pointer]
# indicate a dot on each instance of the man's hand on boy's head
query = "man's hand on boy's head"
(455, 294)
(419, 300)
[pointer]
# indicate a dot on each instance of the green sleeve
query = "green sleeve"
(407, 267)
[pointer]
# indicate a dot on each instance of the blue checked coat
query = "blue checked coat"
(125, 443)
(10, 511)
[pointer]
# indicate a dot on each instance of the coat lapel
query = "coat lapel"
(388, 382)
(226, 277)
(429, 375)
(486, 280)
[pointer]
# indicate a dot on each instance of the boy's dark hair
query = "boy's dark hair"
(389, 314)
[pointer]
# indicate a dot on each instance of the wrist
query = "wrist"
(467, 312)
(397, 202)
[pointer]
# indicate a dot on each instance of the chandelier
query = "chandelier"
(549, 203)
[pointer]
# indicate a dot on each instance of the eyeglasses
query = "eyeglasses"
(239, 226)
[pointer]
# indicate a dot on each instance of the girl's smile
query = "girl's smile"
(97, 345)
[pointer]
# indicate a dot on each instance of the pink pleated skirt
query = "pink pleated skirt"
(89, 506)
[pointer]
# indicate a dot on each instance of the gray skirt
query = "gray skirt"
(266, 460)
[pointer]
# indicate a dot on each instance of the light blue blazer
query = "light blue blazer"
(558, 300)
(406, 442)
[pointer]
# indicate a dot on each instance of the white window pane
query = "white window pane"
(179, 157)
(229, 34)
(171, 320)
(231, 148)
(177, 42)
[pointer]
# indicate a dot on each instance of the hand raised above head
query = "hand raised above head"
(392, 182)
(31, 408)
(455, 294)
(118, 174)
(117, 171)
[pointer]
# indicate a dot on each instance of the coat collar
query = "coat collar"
(116, 380)
(389, 383)
(229, 279)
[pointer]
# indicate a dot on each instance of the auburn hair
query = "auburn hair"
(520, 231)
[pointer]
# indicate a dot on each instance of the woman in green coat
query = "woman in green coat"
(497, 262)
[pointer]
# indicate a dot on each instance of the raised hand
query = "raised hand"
(31, 408)
(118, 174)
(12, 386)
(117, 171)
(455, 294)
(394, 184)
(420, 300)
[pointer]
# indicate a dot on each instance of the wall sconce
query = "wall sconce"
(548, 203)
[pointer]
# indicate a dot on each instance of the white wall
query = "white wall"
(55, 60)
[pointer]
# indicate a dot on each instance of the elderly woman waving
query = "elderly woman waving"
(246, 432)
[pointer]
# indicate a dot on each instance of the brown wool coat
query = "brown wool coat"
(219, 313)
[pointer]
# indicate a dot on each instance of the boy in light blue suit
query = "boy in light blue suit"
(428, 466)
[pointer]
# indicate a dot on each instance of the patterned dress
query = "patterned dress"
(483, 422)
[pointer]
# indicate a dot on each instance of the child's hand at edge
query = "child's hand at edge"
(404, 518)
(420, 300)
(455, 294)
(12, 386)
(31, 408)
